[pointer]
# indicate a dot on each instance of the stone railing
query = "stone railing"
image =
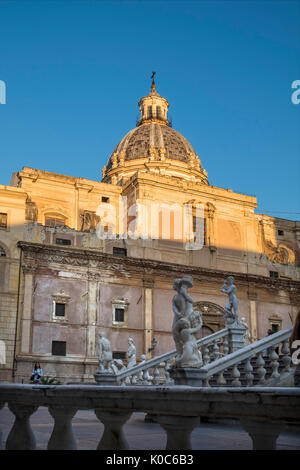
(156, 371)
(263, 412)
(255, 355)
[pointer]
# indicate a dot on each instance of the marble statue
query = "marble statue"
(118, 366)
(231, 308)
(182, 305)
(104, 353)
(191, 355)
(186, 323)
(131, 354)
(247, 336)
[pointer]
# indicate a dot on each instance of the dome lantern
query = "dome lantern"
(153, 107)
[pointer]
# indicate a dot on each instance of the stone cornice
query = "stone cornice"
(201, 190)
(92, 259)
(65, 180)
(12, 191)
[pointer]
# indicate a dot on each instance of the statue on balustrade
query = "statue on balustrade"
(191, 355)
(231, 308)
(131, 354)
(247, 336)
(104, 354)
(118, 366)
(186, 323)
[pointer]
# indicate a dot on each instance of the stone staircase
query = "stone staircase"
(227, 362)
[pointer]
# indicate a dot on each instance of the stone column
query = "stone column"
(113, 437)
(92, 315)
(21, 436)
(211, 224)
(148, 313)
(178, 429)
(253, 316)
(263, 433)
(210, 235)
(27, 308)
(62, 437)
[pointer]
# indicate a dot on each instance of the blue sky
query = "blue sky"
(75, 70)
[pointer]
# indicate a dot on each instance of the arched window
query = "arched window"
(55, 221)
(2, 252)
(158, 112)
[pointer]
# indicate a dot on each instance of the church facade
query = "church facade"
(78, 256)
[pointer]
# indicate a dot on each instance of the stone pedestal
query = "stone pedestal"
(192, 376)
(236, 336)
(106, 378)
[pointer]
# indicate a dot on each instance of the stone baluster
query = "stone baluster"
(146, 380)
(134, 380)
(248, 372)
(156, 376)
(235, 374)
(206, 355)
(261, 371)
(206, 381)
(178, 429)
(215, 351)
(221, 381)
(286, 358)
(21, 436)
(274, 362)
(113, 437)
(225, 346)
(167, 373)
(62, 437)
(263, 433)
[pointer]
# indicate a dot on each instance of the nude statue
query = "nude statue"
(231, 308)
(182, 305)
(191, 356)
(186, 322)
(104, 353)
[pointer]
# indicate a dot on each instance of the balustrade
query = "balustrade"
(213, 347)
(176, 409)
(239, 363)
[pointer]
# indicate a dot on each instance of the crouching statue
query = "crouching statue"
(186, 324)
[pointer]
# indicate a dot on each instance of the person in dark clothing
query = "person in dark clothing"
(36, 374)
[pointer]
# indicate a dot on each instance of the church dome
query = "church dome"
(141, 141)
(154, 146)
